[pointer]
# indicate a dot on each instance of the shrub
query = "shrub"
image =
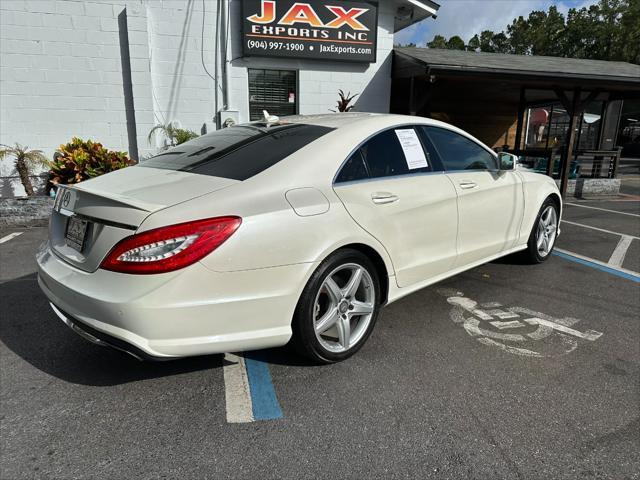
(174, 135)
(344, 102)
(80, 160)
(25, 161)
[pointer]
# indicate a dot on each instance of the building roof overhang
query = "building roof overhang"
(408, 12)
(414, 62)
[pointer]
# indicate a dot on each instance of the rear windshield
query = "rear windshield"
(238, 152)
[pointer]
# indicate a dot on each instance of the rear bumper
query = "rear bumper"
(194, 311)
(102, 339)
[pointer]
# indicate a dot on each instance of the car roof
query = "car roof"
(349, 119)
(332, 120)
(364, 123)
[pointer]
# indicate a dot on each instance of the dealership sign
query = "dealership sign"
(333, 30)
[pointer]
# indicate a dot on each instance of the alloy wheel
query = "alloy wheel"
(546, 232)
(344, 307)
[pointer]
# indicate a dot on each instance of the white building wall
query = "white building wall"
(183, 91)
(319, 81)
(61, 75)
(62, 72)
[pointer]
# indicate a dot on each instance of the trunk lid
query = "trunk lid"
(112, 207)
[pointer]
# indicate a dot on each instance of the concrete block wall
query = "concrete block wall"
(183, 91)
(61, 74)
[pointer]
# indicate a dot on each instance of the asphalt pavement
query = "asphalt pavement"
(505, 371)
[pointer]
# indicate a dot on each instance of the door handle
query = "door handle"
(465, 184)
(380, 198)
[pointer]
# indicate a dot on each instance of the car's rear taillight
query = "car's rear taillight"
(170, 248)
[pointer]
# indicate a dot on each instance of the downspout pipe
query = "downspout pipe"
(216, 69)
(225, 63)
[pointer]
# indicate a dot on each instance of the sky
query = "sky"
(468, 17)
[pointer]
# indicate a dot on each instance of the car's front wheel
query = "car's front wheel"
(544, 233)
(338, 308)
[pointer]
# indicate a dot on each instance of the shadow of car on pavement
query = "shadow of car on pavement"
(31, 330)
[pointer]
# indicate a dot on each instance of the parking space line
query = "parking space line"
(602, 209)
(249, 392)
(598, 265)
(236, 390)
(10, 236)
(617, 257)
(598, 229)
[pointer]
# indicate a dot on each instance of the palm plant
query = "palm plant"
(25, 162)
(175, 135)
(344, 102)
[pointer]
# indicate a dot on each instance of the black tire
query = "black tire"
(531, 254)
(304, 339)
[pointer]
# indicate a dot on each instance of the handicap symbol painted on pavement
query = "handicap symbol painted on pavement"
(516, 330)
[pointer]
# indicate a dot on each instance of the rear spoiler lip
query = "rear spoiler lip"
(121, 199)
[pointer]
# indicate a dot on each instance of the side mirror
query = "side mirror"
(507, 161)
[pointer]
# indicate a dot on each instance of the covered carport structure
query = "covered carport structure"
(492, 95)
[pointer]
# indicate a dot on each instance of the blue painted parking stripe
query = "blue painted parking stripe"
(263, 395)
(597, 266)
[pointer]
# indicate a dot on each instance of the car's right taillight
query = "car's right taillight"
(170, 248)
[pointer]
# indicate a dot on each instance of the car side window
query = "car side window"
(460, 153)
(353, 169)
(384, 156)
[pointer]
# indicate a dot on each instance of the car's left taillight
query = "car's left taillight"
(170, 248)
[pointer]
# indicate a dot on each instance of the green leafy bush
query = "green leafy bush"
(174, 135)
(80, 160)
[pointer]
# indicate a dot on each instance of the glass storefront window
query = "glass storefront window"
(559, 129)
(629, 130)
(548, 127)
(538, 127)
(590, 126)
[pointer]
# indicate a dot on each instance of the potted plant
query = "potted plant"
(344, 102)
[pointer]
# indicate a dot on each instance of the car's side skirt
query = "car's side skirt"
(396, 293)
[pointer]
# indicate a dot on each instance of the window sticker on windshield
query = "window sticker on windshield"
(413, 152)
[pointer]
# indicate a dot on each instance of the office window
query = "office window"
(273, 90)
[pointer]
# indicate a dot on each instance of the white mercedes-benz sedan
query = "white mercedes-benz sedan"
(290, 230)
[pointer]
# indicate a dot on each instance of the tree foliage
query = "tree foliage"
(25, 162)
(607, 30)
(438, 42)
(455, 43)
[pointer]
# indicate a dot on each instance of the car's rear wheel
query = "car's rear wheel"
(544, 233)
(338, 308)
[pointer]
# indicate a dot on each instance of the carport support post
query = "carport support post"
(411, 96)
(574, 118)
(520, 124)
